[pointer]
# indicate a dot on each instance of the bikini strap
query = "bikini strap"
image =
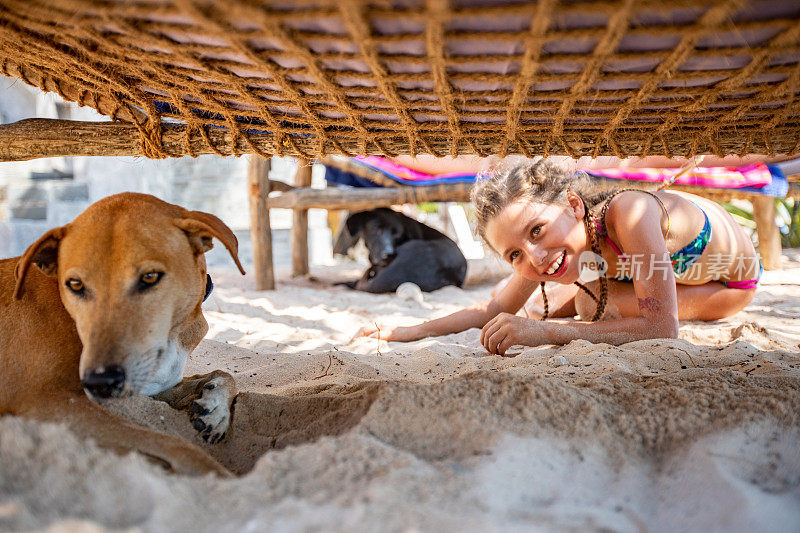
(604, 229)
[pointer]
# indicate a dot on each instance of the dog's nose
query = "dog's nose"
(385, 260)
(104, 382)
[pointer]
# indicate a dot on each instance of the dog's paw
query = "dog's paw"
(210, 413)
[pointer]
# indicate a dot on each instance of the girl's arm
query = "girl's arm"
(636, 220)
(509, 299)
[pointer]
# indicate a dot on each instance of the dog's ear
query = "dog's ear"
(356, 221)
(344, 241)
(43, 253)
(201, 227)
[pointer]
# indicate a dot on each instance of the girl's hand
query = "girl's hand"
(507, 330)
(390, 333)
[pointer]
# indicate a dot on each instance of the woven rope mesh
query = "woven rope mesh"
(623, 78)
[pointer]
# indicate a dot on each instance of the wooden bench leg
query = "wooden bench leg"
(260, 230)
(300, 223)
(769, 238)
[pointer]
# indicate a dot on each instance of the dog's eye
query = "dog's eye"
(76, 286)
(148, 280)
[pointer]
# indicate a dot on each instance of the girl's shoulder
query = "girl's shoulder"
(681, 215)
(630, 213)
(635, 207)
(630, 203)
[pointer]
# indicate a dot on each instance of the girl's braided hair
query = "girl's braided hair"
(545, 182)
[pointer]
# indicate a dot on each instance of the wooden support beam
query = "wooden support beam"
(40, 137)
(300, 222)
(769, 239)
(43, 137)
(360, 199)
(280, 186)
(260, 230)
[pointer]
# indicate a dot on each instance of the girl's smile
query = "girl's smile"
(541, 241)
(559, 266)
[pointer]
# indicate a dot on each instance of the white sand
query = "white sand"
(701, 433)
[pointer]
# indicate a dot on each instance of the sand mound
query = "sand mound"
(697, 433)
(484, 449)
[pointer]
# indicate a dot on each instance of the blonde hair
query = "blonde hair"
(548, 183)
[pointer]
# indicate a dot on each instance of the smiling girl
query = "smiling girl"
(665, 255)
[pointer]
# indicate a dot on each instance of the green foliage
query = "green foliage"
(742, 215)
(788, 210)
(788, 218)
(428, 207)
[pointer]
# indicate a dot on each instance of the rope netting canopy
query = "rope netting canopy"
(308, 78)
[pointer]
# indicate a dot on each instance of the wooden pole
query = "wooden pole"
(769, 239)
(34, 138)
(355, 199)
(44, 137)
(300, 222)
(260, 230)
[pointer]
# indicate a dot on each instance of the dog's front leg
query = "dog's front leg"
(88, 419)
(208, 398)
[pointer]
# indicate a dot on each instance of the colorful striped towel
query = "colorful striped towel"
(408, 176)
(756, 178)
(754, 175)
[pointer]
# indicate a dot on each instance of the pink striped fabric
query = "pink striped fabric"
(754, 175)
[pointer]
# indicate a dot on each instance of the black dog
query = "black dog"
(401, 249)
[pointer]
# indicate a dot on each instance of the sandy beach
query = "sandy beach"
(335, 434)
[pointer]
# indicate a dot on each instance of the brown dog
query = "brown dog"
(114, 309)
